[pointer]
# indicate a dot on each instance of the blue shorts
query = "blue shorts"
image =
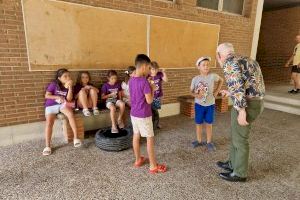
(204, 114)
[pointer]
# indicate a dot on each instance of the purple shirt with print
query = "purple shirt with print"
(138, 87)
(108, 89)
(55, 90)
(158, 78)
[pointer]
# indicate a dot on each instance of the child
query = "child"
(141, 95)
(157, 77)
(59, 95)
(125, 87)
(202, 89)
(112, 93)
(86, 94)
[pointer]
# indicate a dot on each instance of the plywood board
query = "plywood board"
(60, 34)
(179, 43)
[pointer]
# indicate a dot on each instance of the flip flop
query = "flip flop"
(77, 143)
(159, 168)
(47, 151)
(141, 162)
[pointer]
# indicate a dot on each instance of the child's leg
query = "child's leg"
(50, 118)
(136, 147)
(112, 109)
(151, 153)
(209, 132)
(82, 99)
(94, 97)
(199, 132)
(121, 106)
(70, 115)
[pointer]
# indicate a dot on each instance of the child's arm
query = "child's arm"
(219, 86)
(150, 96)
(289, 61)
(49, 95)
(164, 78)
(97, 90)
(106, 96)
(120, 95)
(69, 85)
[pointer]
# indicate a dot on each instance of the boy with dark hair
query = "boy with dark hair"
(141, 95)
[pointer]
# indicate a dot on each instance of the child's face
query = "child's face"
(153, 71)
(113, 79)
(132, 74)
(85, 79)
(204, 67)
(64, 78)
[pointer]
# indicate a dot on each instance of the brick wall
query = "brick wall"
(22, 92)
(277, 41)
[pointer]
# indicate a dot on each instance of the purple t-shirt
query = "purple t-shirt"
(138, 87)
(158, 83)
(55, 90)
(108, 89)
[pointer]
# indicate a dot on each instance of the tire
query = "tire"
(108, 141)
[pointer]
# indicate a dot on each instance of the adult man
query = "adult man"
(246, 88)
(296, 67)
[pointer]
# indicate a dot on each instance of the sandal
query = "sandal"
(141, 162)
(47, 151)
(96, 111)
(159, 168)
(86, 112)
(77, 143)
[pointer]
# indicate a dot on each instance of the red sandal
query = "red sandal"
(141, 162)
(159, 168)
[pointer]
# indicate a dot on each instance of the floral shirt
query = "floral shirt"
(244, 79)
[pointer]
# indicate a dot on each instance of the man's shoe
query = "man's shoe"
(224, 165)
(230, 176)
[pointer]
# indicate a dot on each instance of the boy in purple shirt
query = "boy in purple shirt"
(157, 77)
(112, 94)
(141, 95)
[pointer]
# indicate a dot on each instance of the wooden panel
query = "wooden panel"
(179, 43)
(81, 37)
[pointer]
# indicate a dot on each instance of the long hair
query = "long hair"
(128, 72)
(78, 81)
(59, 74)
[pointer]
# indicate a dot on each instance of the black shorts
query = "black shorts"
(295, 69)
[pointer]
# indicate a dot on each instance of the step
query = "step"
(284, 107)
(281, 99)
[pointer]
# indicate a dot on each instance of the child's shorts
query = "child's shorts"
(142, 126)
(110, 103)
(156, 104)
(55, 109)
(204, 114)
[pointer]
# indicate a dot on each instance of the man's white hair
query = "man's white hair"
(225, 48)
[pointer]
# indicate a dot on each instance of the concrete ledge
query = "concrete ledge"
(10, 135)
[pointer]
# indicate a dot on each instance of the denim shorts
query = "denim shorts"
(204, 114)
(55, 109)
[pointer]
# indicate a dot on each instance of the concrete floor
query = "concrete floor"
(89, 173)
(281, 90)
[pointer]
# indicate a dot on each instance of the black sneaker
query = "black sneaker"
(224, 165)
(293, 91)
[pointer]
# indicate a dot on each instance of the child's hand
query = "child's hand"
(60, 99)
(69, 84)
(163, 70)
(88, 87)
(216, 94)
(286, 65)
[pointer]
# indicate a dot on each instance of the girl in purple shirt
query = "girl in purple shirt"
(59, 96)
(157, 77)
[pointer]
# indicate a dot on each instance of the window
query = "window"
(231, 6)
(211, 4)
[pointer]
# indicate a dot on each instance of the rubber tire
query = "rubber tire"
(113, 144)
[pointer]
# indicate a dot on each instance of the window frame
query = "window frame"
(220, 9)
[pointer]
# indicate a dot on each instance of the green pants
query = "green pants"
(239, 148)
